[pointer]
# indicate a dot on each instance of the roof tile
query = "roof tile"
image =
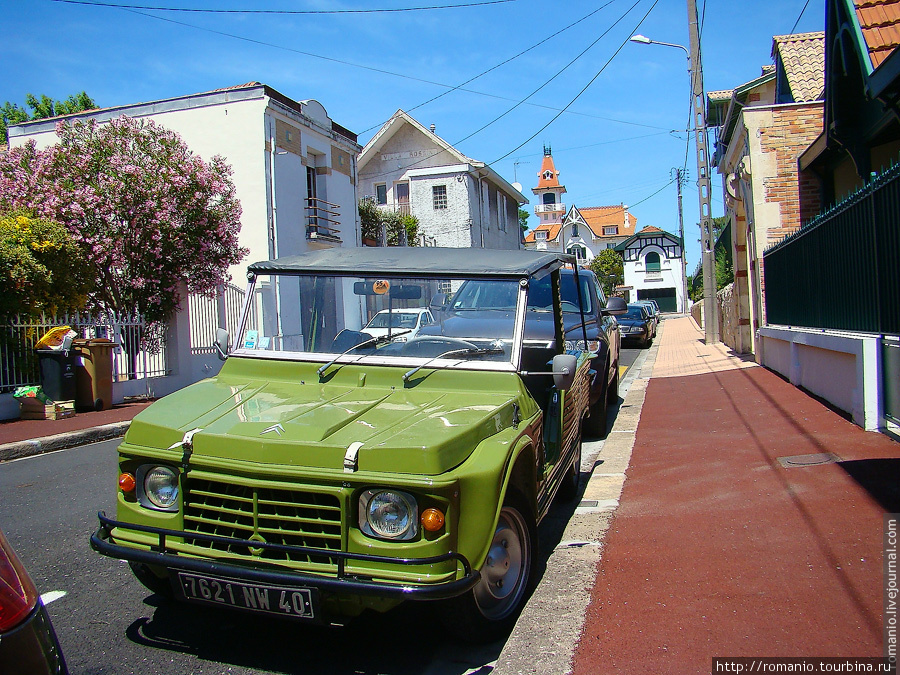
(803, 59)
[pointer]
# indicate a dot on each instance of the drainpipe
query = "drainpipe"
(476, 174)
(273, 230)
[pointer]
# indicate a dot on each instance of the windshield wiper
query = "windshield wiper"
(365, 343)
(469, 351)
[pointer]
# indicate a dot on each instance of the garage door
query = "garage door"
(665, 298)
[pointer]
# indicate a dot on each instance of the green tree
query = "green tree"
(523, 220)
(42, 108)
(610, 269)
(724, 268)
(42, 268)
(372, 218)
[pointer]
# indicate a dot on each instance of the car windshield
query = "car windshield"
(318, 317)
(485, 293)
(395, 319)
(633, 313)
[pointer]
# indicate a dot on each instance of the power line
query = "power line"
(553, 77)
(799, 17)
(503, 63)
(520, 102)
(584, 89)
(381, 71)
(283, 11)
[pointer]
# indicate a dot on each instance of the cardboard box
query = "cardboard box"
(33, 409)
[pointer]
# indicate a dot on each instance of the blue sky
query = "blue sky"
(618, 142)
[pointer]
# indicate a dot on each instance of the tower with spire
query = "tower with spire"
(550, 208)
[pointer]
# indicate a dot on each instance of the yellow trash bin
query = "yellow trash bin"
(93, 373)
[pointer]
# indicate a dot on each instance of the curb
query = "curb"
(39, 446)
(548, 630)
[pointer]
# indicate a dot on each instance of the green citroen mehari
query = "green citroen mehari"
(325, 471)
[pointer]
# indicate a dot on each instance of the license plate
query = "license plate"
(283, 601)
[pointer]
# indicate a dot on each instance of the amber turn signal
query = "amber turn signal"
(126, 482)
(432, 520)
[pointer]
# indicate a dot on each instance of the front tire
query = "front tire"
(612, 394)
(489, 611)
(595, 422)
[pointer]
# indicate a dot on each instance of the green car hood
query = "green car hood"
(281, 413)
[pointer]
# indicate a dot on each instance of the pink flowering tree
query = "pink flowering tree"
(147, 212)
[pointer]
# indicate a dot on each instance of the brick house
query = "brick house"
(763, 126)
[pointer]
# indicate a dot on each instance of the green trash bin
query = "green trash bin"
(93, 373)
(58, 373)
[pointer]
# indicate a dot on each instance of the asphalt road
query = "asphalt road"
(109, 624)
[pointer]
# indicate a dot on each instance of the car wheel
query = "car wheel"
(568, 489)
(595, 422)
(612, 394)
(489, 611)
(151, 581)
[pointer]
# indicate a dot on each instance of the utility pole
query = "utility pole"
(679, 181)
(707, 244)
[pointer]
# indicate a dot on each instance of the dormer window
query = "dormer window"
(540, 235)
(548, 175)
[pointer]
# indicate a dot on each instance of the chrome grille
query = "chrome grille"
(273, 515)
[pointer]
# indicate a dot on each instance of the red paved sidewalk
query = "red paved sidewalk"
(716, 549)
(12, 431)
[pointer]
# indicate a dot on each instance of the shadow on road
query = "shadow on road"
(408, 639)
(879, 477)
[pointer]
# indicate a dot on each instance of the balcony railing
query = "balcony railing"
(322, 220)
(396, 207)
(549, 208)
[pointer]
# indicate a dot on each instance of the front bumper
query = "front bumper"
(341, 584)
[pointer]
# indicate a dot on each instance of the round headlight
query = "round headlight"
(391, 515)
(161, 487)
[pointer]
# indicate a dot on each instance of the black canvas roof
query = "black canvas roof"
(417, 261)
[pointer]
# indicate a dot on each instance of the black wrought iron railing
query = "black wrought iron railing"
(841, 271)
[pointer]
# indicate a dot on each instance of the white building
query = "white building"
(294, 168)
(654, 268)
(459, 202)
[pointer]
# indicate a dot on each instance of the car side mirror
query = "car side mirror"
(221, 343)
(615, 306)
(439, 302)
(564, 367)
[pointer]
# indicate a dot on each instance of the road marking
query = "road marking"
(52, 596)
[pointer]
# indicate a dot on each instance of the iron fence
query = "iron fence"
(209, 313)
(140, 351)
(840, 270)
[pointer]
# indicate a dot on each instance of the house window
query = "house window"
(549, 198)
(502, 214)
(611, 230)
(439, 196)
(651, 262)
(574, 229)
(381, 194)
(580, 252)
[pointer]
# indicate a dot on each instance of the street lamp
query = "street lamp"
(695, 69)
(643, 40)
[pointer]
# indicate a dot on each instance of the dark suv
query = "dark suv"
(599, 329)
